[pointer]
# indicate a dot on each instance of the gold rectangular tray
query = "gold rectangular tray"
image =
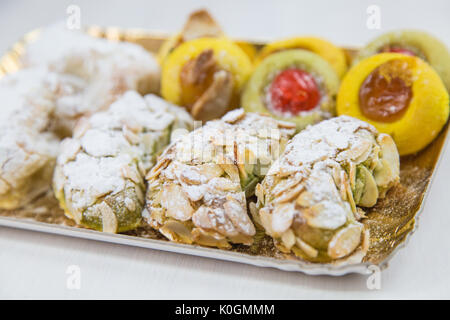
(391, 222)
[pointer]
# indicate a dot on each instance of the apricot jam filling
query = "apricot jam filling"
(293, 91)
(386, 93)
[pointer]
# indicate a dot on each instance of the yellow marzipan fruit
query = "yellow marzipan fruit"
(426, 114)
(228, 55)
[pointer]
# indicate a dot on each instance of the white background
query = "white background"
(33, 265)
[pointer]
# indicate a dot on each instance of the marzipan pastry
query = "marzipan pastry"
(28, 145)
(102, 70)
(400, 95)
(293, 85)
(99, 177)
(310, 200)
(197, 191)
(206, 76)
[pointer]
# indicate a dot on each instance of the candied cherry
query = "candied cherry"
(293, 91)
(400, 50)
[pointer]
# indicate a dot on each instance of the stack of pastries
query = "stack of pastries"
(294, 140)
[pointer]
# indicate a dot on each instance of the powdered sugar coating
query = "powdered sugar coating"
(204, 175)
(325, 172)
(104, 69)
(28, 147)
(109, 156)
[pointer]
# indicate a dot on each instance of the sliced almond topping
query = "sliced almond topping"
(365, 243)
(156, 170)
(194, 192)
(131, 173)
(383, 174)
(325, 215)
(349, 193)
(259, 193)
(266, 221)
(202, 219)
(290, 194)
(344, 186)
(282, 217)
(242, 171)
(359, 150)
(337, 176)
(176, 231)
(237, 213)
(286, 124)
(191, 175)
(305, 199)
(69, 150)
(245, 159)
(352, 175)
(234, 116)
(345, 241)
(131, 137)
(232, 171)
(142, 168)
(176, 203)
(157, 214)
(306, 248)
(223, 184)
(109, 219)
(376, 150)
(81, 127)
(370, 193)
(285, 185)
(288, 239)
(254, 213)
(73, 212)
(132, 124)
(209, 238)
(242, 239)
(389, 168)
(388, 147)
(210, 170)
(363, 156)
(221, 140)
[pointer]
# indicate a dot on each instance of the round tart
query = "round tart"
(206, 76)
(415, 43)
(400, 95)
(293, 85)
(328, 51)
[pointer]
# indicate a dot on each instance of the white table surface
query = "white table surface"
(33, 265)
